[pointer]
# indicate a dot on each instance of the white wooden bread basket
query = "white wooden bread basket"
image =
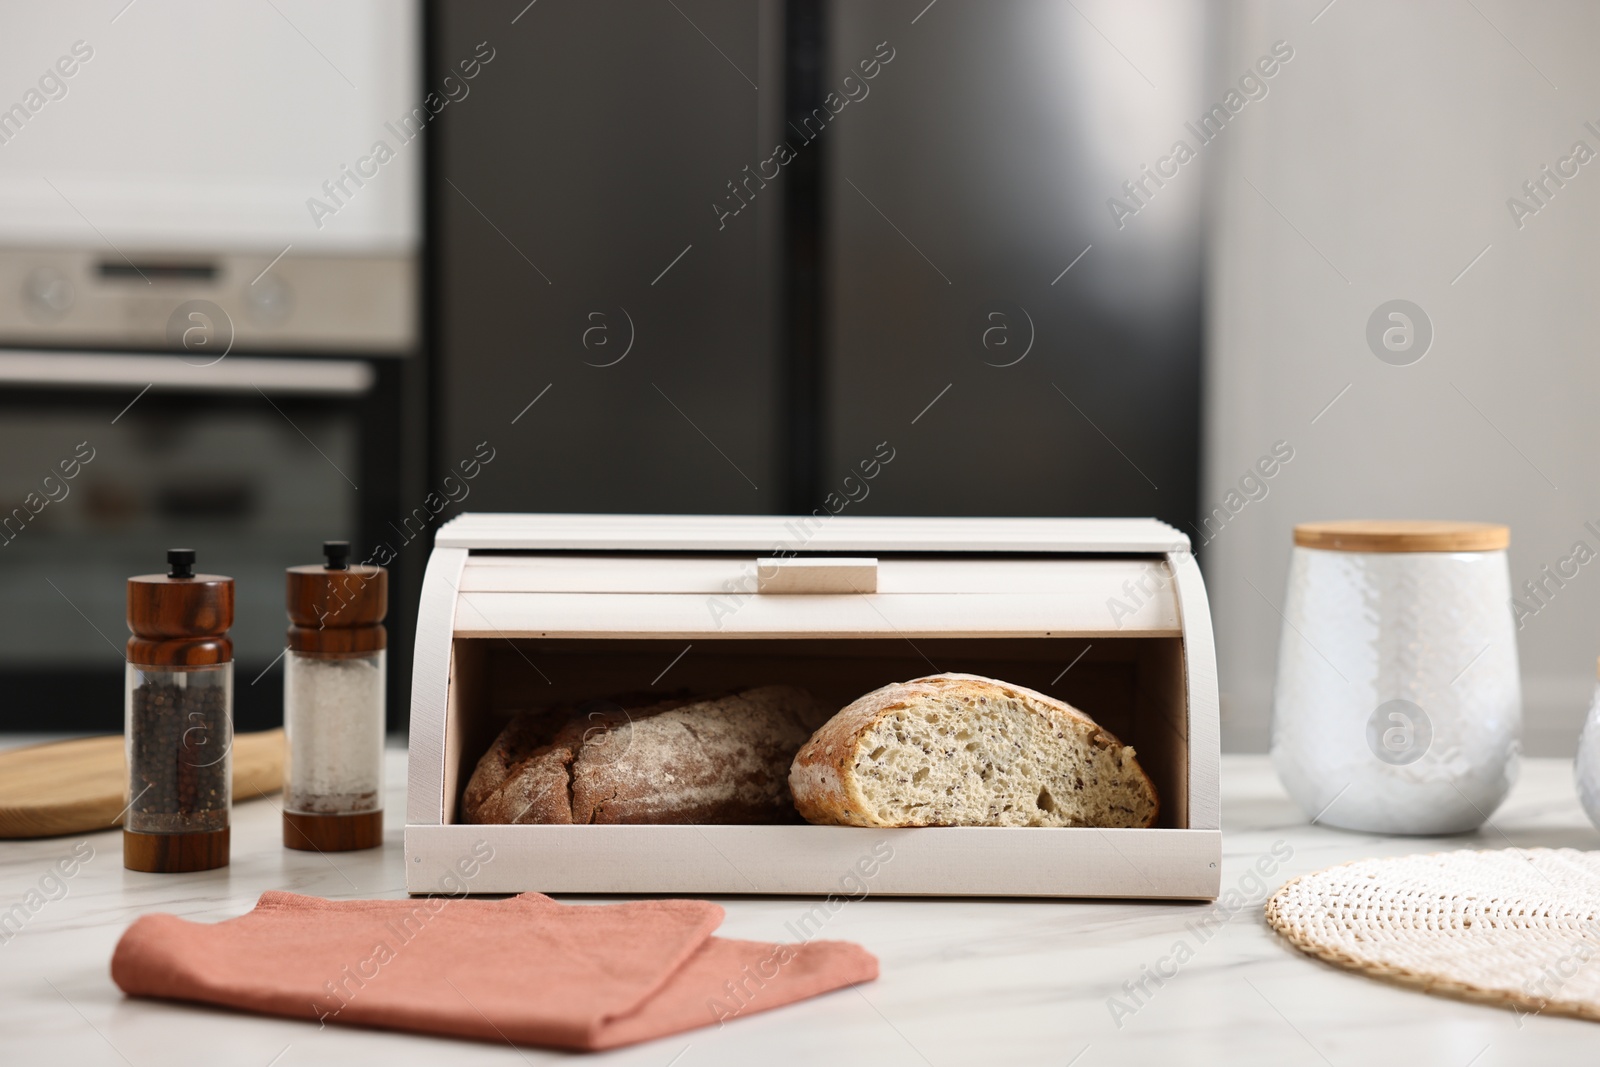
(521, 610)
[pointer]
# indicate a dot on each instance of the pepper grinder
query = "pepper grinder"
(179, 724)
(333, 704)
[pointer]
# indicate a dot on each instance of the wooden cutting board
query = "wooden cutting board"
(73, 787)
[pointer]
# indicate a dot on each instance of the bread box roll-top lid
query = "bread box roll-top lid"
(335, 607)
(180, 619)
(718, 576)
(814, 533)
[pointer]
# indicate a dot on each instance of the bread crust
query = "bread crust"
(821, 779)
(721, 760)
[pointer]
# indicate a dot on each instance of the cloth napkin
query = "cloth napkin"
(527, 970)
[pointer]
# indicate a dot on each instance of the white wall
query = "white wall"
(1388, 148)
(197, 124)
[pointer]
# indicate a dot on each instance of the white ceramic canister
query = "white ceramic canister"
(1398, 708)
(1586, 768)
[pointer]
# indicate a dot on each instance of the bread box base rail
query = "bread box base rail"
(845, 861)
(522, 611)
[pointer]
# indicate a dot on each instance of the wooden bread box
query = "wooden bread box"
(518, 611)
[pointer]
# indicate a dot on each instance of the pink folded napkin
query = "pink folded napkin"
(525, 970)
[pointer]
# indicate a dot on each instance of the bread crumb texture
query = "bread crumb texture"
(961, 750)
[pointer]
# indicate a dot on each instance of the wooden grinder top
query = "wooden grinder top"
(180, 619)
(1403, 535)
(337, 608)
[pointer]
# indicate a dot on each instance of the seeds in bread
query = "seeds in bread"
(962, 750)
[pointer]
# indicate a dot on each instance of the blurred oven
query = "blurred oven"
(112, 458)
(186, 151)
(209, 313)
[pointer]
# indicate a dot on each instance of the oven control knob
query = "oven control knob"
(269, 300)
(47, 293)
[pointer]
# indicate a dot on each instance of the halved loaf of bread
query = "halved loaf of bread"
(961, 750)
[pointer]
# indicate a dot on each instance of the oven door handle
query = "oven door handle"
(230, 374)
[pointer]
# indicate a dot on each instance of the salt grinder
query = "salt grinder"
(333, 704)
(179, 724)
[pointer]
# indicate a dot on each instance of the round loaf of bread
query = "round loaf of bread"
(673, 761)
(961, 750)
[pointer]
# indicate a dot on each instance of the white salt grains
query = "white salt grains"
(333, 718)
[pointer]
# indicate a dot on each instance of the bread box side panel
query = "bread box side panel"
(432, 665)
(1204, 728)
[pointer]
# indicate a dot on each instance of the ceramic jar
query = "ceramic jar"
(1586, 768)
(1397, 707)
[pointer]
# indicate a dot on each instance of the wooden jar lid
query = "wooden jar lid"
(1402, 535)
(337, 608)
(180, 618)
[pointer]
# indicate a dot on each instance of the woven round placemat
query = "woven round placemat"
(1514, 927)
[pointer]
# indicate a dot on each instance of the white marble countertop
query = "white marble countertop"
(963, 981)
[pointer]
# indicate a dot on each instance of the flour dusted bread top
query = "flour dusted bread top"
(962, 750)
(677, 761)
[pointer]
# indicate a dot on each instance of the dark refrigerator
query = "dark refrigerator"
(724, 257)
